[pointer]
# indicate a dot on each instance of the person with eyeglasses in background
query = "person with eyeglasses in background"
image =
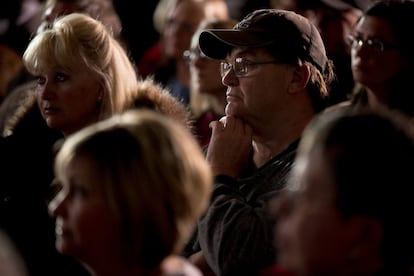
(177, 21)
(207, 92)
(383, 57)
(277, 76)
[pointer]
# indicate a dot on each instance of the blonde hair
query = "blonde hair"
(77, 39)
(156, 179)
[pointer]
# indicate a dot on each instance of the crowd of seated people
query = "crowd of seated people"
(259, 137)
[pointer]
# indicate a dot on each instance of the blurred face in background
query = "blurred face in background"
(84, 226)
(312, 236)
(182, 22)
(334, 26)
(53, 10)
(376, 63)
(205, 72)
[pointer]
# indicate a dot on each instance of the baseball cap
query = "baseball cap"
(288, 33)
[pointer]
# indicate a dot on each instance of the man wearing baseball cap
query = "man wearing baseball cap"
(278, 75)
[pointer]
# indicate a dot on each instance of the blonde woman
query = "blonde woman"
(132, 189)
(20, 98)
(83, 75)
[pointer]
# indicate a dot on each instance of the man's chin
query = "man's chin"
(231, 110)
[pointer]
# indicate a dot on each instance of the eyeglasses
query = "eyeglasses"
(241, 67)
(374, 43)
(191, 55)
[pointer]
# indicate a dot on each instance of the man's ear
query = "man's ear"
(300, 78)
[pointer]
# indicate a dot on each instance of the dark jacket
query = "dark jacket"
(235, 234)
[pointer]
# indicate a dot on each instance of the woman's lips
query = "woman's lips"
(50, 110)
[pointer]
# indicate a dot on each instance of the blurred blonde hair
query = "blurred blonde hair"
(156, 180)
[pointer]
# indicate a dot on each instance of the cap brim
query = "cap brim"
(218, 43)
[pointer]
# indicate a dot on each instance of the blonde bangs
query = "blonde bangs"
(50, 50)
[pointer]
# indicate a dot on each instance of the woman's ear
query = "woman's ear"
(300, 78)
